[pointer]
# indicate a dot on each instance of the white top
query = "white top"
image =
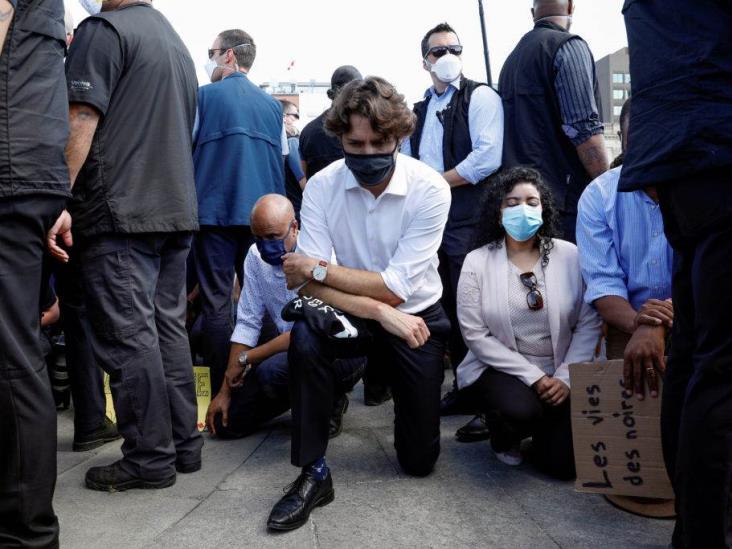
(397, 234)
(531, 328)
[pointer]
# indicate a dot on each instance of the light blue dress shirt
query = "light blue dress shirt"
(485, 119)
(265, 290)
(623, 249)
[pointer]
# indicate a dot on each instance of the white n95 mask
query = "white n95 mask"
(447, 68)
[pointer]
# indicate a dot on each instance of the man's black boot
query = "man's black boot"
(301, 497)
(474, 430)
(112, 478)
(106, 432)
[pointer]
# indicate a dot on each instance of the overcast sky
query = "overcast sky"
(380, 37)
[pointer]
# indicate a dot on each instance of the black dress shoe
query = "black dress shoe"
(106, 432)
(474, 430)
(452, 404)
(112, 478)
(336, 418)
(301, 497)
(374, 395)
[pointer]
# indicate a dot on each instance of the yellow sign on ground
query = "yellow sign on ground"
(202, 377)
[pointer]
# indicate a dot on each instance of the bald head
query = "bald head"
(556, 11)
(271, 216)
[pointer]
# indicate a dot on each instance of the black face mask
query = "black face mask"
(370, 169)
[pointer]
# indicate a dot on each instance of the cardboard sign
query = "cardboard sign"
(617, 438)
(202, 379)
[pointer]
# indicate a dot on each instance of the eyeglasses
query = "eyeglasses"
(534, 299)
(439, 51)
(297, 116)
(212, 52)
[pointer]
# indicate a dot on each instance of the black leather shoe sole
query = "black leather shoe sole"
(472, 436)
(92, 444)
(130, 484)
(187, 468)
(322, 501)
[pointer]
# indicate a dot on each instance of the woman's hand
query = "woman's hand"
(551, 391)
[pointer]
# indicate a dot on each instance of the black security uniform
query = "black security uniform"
(134, 209)
(680, 141)
(33, 189)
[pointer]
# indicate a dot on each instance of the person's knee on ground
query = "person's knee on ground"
(418, 462)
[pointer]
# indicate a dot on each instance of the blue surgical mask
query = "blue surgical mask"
(92, 7)
(522, 222)
(272, 250)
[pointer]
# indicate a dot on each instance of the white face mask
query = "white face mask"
(93, 7)
(211, 66)
(447, 68)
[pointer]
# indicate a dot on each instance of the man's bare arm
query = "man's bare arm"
(455, 179)
(593, 155)
(83, 122)
(617, 312)
(7, 12)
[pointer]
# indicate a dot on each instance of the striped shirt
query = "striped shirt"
(623, 249)
(574, 85)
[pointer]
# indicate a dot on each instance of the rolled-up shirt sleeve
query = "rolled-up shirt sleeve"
(314, 239)
(601, 269)
(485, 118)
(251, 308)
(418, 247)
(574, 85)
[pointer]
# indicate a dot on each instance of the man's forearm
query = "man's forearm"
(360, 306)
(360, 283)
(83, 122)
(6, 17)
(455, 179)
(593, 155)
(617, 312)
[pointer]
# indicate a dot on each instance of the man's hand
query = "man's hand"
(61, 228)
(219, 405)
(551, 391)
(410, 328)
(298, 269)
(645, 360)
(234, 376)
(655, 312)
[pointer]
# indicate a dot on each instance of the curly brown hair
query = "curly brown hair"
(375, 99)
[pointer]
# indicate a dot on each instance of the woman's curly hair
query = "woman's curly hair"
(375, 99)
(491, 231)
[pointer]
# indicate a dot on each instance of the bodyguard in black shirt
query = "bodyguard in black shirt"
(33, 190)
(132, 88)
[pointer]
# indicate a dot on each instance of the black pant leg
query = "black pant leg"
(263, 396)
(512, 408)
(27, 409)
(416, 380)
(86, 378)
(170, 313)
(216, 253)
(553, 450)
(449, 270)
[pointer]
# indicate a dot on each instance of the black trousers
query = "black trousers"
(415, 376)
(136, 301)
(219, 253)
(265, 394)
(514, 412)
(86, 378)
(696, 414)
(27, 409)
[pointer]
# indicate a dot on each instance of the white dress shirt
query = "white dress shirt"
(397, 234)
(485, 120)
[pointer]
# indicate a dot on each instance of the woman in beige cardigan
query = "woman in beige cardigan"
(522, 315)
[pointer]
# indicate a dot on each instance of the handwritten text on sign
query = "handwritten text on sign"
(617, 438)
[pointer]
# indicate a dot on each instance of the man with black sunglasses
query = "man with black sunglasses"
(459, 133)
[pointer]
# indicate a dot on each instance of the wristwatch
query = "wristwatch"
(320, 271)
(243, 359)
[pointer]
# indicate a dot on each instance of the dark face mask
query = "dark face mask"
(271, 251)
(370, 169)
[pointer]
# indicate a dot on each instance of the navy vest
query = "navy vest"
(533, 122)
(238, 150)
(456, 146)
(681, 66)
